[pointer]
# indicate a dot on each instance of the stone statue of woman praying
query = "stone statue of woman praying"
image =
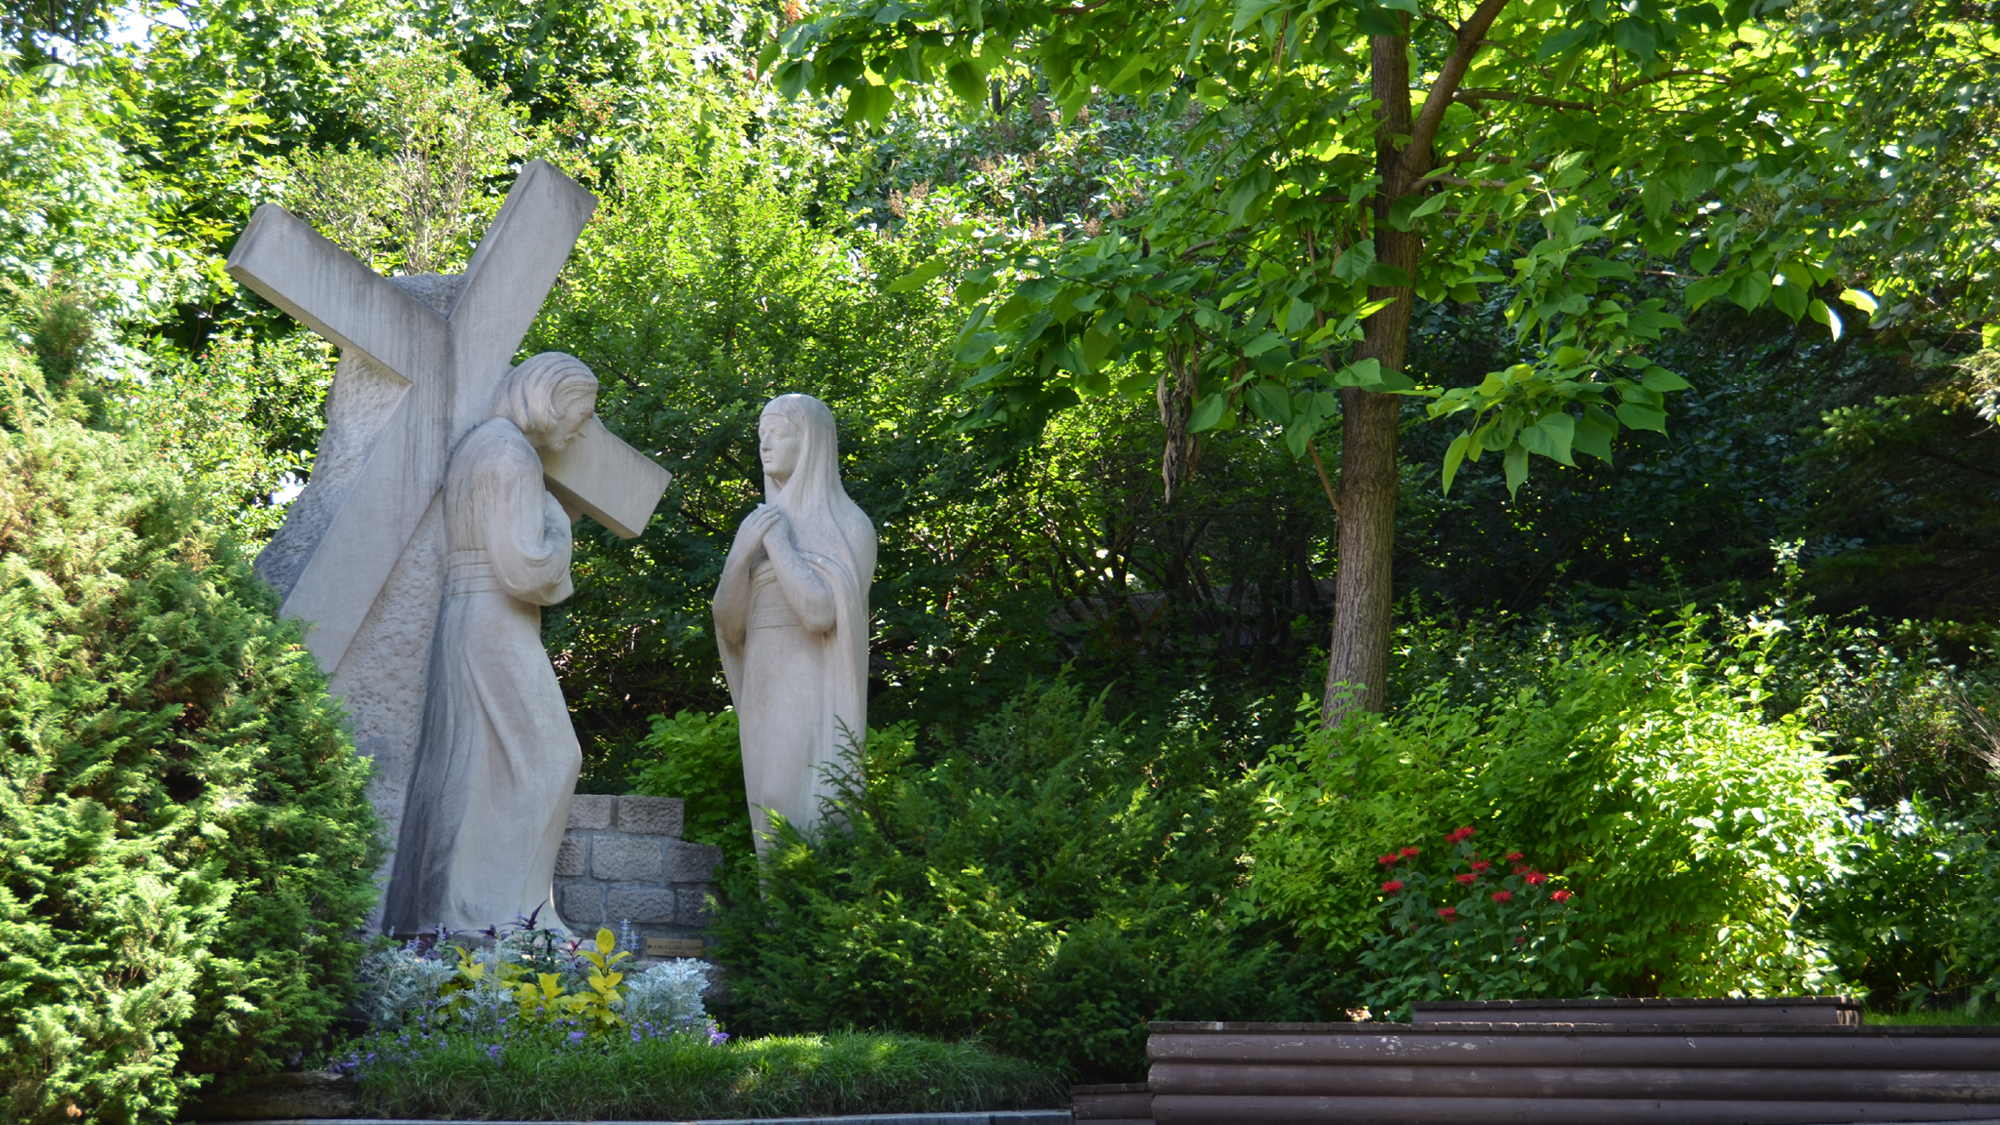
(497, 759)
(791, 617)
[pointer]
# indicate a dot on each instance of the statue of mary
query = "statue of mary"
(791, 617)
(497, 759)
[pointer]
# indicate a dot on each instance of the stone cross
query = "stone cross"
(452, 364)
(362, 552)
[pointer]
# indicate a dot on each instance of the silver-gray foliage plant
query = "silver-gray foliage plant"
(668, 994)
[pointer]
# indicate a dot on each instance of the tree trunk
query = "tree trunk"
(1357, 668)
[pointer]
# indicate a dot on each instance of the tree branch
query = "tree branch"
(1424, 130)
(1628, 87)
(1455, 181)
(1512, 96)
(1323, 482)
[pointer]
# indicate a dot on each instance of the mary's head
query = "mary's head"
(799, 448)
(800, 451)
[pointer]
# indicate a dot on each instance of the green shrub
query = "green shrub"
(185, 845)
(1460, 930)
(699, 758)
(460, 1074)
(1050, 886)
(1645, 772)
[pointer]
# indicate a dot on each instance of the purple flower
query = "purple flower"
(493, 1052)
(576, 1036)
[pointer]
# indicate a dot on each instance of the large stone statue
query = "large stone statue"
(362, 554)
(497, 762)
(791, 617)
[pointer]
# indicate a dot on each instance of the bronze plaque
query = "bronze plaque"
(673, 947)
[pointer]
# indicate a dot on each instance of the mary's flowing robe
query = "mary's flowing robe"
(800, 696)
(498, 759)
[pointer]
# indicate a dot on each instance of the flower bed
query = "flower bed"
(528, 1026)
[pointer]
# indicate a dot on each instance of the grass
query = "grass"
(685, 1077)
(1949, 1017)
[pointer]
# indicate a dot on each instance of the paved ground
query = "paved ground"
(1001, 1117)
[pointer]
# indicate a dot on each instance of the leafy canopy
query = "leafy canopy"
(1569, 152)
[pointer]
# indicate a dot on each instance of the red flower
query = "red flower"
(1481, 866)
(1410, 853)
(1559, 896)
(1502, 896)
(1520, 868)
(1467, 879)
(1385, 860)
(1392, 886)
(1513, 856)
(1448, 913)
(1536, 879)
(1455, 836)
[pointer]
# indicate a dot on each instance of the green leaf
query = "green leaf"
(1824, 313)
(1860, 299)
(1594, 432)
(1751, 289)
(1789, 295)
(916, 277)
(966, 81)
(1353, 265)
(870, 104)
(1704, 290)
(1099, 344)
(1551, 436)
(1271, 402)
(1361, 373)
(1636, 36)
(793, 76)
(1208, 412)
(1387, 276)
(1249, 12)
(1297, 317)
(1662, 380)
(1642, 417)
(1299, 432)
(1453, 455)
(1516, 466)
(1263, 343)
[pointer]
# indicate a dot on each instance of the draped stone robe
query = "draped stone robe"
(498, 760)
(801, 696)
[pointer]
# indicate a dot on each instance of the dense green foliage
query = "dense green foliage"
(1052, 885)
(1020, 864)
(185, 849)
(698, 758)
(1460, 929)
(1643, 772)
(681, 1078)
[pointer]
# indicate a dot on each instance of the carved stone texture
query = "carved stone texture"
(582, 906)
(497, 761)
(572, 859)
(791, 618)
(640, 904)
(362, 555)
(651, 816)
(625, 861)
(695, 906)
(590, 811)
(692, 863)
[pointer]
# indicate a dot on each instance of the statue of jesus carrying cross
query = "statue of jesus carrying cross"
(402, 544)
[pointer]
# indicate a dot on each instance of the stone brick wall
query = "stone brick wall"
(623, 860)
